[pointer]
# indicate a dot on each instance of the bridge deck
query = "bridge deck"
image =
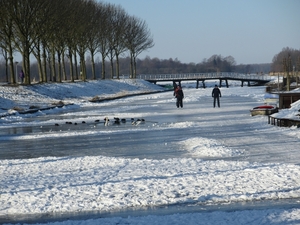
(260, 79)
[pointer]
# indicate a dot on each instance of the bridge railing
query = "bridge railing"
(187, 76)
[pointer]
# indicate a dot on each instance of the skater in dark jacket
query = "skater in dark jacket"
(178, 93)
(216, 94)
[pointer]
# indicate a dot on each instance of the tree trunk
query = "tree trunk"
(71, 66)
(76, 68)
(53, 65)
(103, 67)
(59, 66)
(288, 81)
(40, 67)
(111, 68)
(64, 66)
(6, 66)
(12, 69)
(117, 66)
(93, 66)
(49, 65)
(44, 77)
(131, 66)
(26, 64)
(82, 66)
(37, 55)
(134, 67)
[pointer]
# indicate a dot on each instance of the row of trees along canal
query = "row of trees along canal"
(215, 63)
(55, 30)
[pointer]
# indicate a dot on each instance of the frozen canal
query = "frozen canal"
(167, 133)
(158, 137)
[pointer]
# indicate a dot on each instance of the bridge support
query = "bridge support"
(243, 83)
(226, 81)
(175, 84)
(197, 84)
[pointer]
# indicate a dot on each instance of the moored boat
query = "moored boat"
(263, 110)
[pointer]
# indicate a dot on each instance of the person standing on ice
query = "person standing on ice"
(178, 93)
(22, 76)
(216, 94)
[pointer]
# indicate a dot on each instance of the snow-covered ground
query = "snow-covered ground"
(54, 185)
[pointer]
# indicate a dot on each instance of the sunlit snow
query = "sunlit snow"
(53, 185)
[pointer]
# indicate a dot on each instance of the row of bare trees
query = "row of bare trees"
(57, 30)
(292, 56)
(216, 63)
(213, 64)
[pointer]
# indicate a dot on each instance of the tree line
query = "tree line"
(219, 63)
(288, 60)
(62, 32)
(65, 38)
(213, 64)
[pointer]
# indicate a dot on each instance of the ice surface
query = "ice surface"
(224, 156)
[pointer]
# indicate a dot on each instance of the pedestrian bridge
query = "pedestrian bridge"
(250, 79)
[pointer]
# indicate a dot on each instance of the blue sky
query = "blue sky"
(252, 31)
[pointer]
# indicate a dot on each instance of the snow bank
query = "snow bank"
(47, 185)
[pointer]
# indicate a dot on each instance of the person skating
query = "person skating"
(216, 94)
(178, 93)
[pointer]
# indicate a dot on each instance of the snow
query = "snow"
(198, 147)
(290, 113)
(54, 185)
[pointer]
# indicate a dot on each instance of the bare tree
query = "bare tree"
(57, 30)
(230, 63)
(102, 38)
(117, 24)
(84, 26)
(71, 35)
(47, 35)
(120, 22)
(284, 53)
(49, 29)
(111, 36)
(7, 38)
(96, 11)
(4, 54)
(27, 19)
(138, 39)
